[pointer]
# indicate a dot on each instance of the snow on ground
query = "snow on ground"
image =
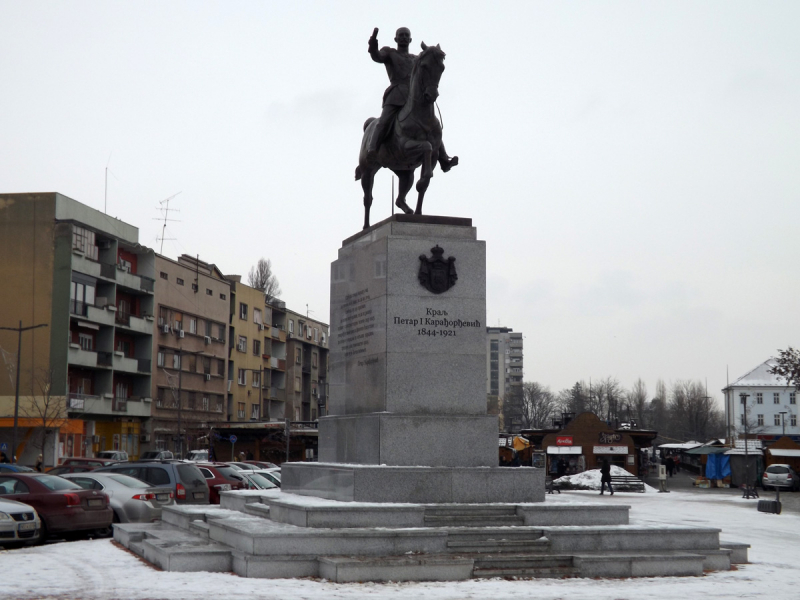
(99, 570)
(590, 480)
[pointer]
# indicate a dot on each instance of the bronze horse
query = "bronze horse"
(414, 138)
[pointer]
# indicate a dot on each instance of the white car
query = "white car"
(19, 523)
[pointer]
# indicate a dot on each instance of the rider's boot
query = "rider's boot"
(375, 141)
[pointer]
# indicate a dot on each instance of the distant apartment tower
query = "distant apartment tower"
(307, 367)
(504, 369)
(84, 275)
(191, 348)
(257, 359)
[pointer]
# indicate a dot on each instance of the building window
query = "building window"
(176, 361)
(190, 401)
(291, 326)
(257, 347)
(242, 345)
(192, 325)
(220, 367)
(207, 365)
(760, 420)
(194, 287)
(742, 399)
(240, 411)
(84, 240)
(792, 398)
(297, 387)
(254, 410)
(298, 356)
(794, 421)
(221, 335)
(164, 275)
(81, 295)
(322, 339)
(777, 419)
(222, 297)
(314, 359)
(243, 311)
(160, 358)
(209, 292)
(776, 398)
(205, 403)
(256, 378)
(218, 407)
(257, 316)
(242, 380)
(179, 281)
(86, 341)
(759, 398)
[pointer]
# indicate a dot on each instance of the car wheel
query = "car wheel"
(42, 534)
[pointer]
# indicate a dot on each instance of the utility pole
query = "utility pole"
(288, 430)
(19, 331)
(748, 491)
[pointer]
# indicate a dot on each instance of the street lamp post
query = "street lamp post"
(747, 490)
(783, 422)
(19, 331)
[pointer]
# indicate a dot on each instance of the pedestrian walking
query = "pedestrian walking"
(605, 477)
(39, 464)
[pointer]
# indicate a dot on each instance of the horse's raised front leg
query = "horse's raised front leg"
(367, 179)
(405, 181)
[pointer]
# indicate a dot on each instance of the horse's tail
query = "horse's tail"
(358, 172)
(367, 122)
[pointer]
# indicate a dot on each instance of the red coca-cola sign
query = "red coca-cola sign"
(564, 440)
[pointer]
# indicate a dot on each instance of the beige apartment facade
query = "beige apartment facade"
(190, 343)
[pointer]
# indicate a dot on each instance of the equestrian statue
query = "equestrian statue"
(407, 134)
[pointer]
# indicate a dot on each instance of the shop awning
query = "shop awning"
(787, 452)
(565, 450)
(610, 450)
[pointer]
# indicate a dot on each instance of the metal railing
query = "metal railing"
(77, 307)
(119, 405)
(105, 359)
(108, 271)
(147, 283)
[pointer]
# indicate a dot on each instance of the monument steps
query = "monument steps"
(473, 521)
(493, 545)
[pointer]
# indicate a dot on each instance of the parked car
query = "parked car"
(780, 476)
(184, 479)
(80, 465)
(257, 481)
(262, 464)
(220, 478)
(131, 499)
(19, 523)
(274, 475)
(243, 466)
(9, 468)
(113, 455)
(197, 456)
(63, 506)
(157, 455)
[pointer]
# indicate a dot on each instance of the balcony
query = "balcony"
(78, 402)
(108, 405)
(82, 264)
(81, 358)
(124, 363)
(307, 367)
(144, 365)
(134, 322)
(105, 359)
(119, 405)
(278, 334)
(134, 281)
(99, 314)
(108, 271)
(277, 394)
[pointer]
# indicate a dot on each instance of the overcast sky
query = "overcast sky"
(632, 166)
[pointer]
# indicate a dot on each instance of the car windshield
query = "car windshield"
(57, 483)
(777, 470)
(190, 473)
(130, 482)
(262, 481)
(228, 472)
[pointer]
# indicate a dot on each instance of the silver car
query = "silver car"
(780, 476)
(19, 523)
(257, 481)
(132, 500)
(274, 475)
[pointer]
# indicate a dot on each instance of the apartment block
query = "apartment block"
(191, 348)
(86, 372)
(306, 368)
(257, 356)
(504, 368)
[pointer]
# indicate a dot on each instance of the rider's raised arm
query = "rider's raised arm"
(377, 55)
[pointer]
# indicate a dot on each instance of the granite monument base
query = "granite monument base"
(423, 485)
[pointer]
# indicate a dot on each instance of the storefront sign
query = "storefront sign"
(564, 450)
(564, 440)
(610, 450)
(610, 438)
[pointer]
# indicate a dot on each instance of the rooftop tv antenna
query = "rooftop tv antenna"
(165, 210)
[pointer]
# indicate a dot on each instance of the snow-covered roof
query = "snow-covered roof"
(760, 377)
(753, 447)
(683, 446)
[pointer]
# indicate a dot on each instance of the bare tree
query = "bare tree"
(637, 402)
(49, 412)
(788, 366)
(538, 405)
(693, 414)
(262, 278)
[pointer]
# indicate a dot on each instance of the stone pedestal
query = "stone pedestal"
(408, 372)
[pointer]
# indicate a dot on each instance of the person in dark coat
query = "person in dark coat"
(605, 477)
(562, 467)
(670, 464)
